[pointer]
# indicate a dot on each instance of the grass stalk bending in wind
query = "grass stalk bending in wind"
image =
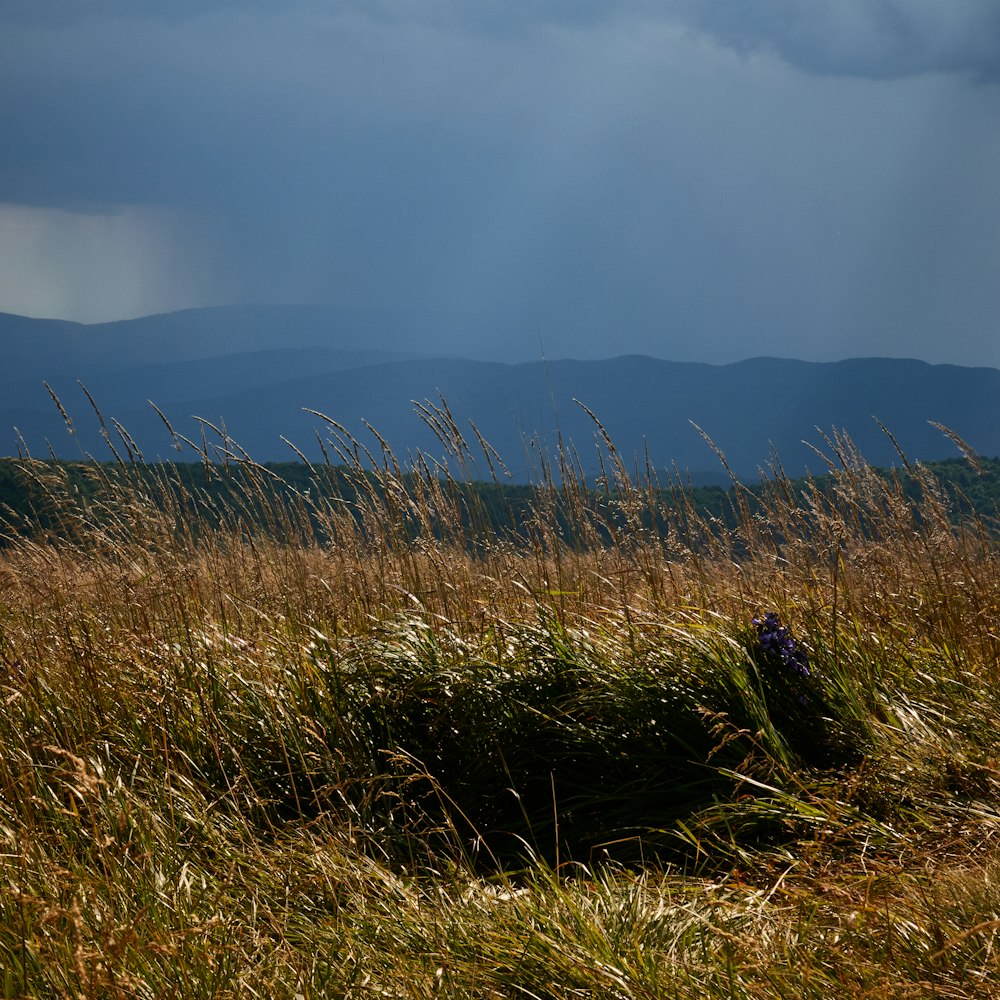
(363, 740)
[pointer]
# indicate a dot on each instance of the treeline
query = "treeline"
(289, 497)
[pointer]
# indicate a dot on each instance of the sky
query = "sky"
(701, 180)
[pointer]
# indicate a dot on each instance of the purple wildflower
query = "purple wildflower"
(776, 643)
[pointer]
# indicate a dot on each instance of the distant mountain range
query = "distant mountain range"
(254, 369)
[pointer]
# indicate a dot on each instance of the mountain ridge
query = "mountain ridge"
(647, 405)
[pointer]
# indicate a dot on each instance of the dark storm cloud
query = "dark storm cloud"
(540, 167)
(329, 149)
(290, 122)
(877, 39)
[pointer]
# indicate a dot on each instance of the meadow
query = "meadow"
(301, 744)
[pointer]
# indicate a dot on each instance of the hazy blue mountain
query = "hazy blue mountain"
(46, 348)
(255, 370)
(201, 378)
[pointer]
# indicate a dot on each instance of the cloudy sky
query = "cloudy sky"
(695, 179)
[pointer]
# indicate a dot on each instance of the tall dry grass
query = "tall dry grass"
(355, 741)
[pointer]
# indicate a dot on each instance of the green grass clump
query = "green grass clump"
(375, 747)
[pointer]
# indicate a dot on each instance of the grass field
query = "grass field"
(369, 748)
